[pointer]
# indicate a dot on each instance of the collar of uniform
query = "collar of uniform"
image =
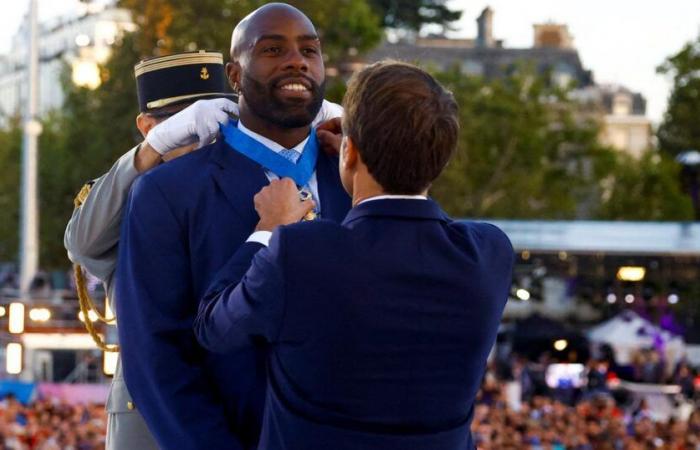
(269, 143)
(393, 207)
(397, 197)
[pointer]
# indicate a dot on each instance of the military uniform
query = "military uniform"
(92, 235)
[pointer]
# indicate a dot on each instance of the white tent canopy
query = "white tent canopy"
(628, 332)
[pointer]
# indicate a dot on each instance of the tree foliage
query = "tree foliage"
(679, 130)
(10, 151)
(414, 14)
(645, 189)
(523, 151)
(169, 26)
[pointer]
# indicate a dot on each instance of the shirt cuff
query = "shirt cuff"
(261, 237)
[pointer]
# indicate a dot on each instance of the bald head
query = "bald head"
(263, 21)
(277, 68)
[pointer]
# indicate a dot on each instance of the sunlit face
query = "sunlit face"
(282, 76)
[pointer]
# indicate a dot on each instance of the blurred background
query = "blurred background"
(580, 138)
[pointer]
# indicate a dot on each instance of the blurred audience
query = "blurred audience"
(595, 421)
(51, 425)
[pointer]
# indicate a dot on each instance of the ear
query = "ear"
(145, 122)
(233, 73)
(348, 154)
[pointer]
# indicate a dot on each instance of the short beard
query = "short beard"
(263, 103)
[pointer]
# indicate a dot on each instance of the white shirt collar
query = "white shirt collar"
(272, 145)
(394, 197)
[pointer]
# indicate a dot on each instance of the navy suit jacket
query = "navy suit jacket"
(182, 222)
(379, 328)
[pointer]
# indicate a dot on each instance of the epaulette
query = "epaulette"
(83, 194)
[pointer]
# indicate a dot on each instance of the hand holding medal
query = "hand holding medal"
(281, 203)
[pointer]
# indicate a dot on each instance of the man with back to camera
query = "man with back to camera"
(184, 219)
(379, 327)
(165, 86)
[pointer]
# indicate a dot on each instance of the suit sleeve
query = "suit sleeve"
(163, 364)
(246, 300)
(92, 233)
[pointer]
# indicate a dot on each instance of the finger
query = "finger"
(288, 183)
(228, 106)
(330, 143)
(333, 125)
(221, 117)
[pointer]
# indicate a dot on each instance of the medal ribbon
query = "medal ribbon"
(300, 172)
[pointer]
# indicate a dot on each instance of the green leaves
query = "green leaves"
(680, 129)
(523, 151)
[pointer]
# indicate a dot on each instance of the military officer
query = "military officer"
(165, 86)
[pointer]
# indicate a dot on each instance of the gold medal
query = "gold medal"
(305, 195)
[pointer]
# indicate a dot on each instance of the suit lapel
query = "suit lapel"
(335, 202)
(239, 178)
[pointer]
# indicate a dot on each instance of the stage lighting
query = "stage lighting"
(523, 294)
(673, 299)
(13, 358)
(560, 345)
(109, 362)
(631, 273)
(611, 298)
(16, 320)
(39, 314)
(629, 298)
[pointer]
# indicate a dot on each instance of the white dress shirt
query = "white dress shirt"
(263, 237)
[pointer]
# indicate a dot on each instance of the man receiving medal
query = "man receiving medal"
(184, 219)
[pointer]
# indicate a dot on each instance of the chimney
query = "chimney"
(485, 26)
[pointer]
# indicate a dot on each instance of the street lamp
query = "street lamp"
(690, 177)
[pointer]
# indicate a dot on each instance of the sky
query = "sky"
(621, 41)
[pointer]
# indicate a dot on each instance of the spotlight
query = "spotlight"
(39, 314)
(13, 358)
(631, 273)
(82, 40)
(523, 294)
(629, 298)
(560, 345)
(92, 315)
(109, 362)
(611, 298)
(673, 299)
(16, 320)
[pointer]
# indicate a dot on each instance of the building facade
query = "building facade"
(622, 113)
(78, 44)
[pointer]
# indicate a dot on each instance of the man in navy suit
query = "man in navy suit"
(379, 328)
(183, 220)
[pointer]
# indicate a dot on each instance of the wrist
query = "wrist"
(146, 158)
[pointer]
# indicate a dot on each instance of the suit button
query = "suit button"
(130, 406)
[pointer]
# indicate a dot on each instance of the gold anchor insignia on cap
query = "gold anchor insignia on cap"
(204, 73)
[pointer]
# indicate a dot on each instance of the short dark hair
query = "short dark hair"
(404, 124)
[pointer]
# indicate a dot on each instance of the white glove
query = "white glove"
(328, 111)
(198, 123)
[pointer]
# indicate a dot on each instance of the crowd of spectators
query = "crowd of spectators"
(595, 420)
(51, 425)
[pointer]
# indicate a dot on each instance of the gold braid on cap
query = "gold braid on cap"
(84, 300)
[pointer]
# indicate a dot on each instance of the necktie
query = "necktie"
(293, 156)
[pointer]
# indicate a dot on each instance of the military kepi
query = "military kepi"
(180, 78)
